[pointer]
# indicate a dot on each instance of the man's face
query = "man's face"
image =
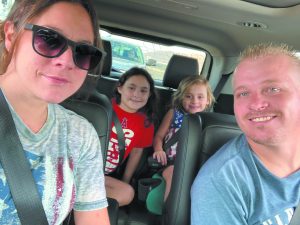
(267, 99)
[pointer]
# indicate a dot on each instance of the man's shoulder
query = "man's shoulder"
(229, 157)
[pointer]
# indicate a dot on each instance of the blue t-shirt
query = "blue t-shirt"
(234, 187)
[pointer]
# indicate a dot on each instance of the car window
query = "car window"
(5, 6)
(128, 52)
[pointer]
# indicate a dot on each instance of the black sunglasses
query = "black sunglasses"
(49, 43)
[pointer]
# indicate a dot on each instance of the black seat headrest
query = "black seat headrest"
(178, 68)
(218, 129)
(108, 58)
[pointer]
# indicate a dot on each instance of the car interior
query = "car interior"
(219, 29)
(222, 29)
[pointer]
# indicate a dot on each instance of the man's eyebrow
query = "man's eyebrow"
(239, 88)
(269, 81)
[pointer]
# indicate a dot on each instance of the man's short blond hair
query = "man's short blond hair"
(266, 49)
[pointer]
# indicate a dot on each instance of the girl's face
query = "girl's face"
(135, 93)
(50, 79)
(195, 98)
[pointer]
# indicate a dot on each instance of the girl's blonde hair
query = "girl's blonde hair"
(185, 84)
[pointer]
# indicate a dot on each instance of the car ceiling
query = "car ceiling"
(223, 27)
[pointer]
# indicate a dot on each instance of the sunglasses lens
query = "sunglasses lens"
(51, 44)
(87, 57)
(48, 43)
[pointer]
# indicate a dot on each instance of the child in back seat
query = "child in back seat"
(134, 104)
(193, 95)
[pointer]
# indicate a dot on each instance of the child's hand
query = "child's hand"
(160, 156)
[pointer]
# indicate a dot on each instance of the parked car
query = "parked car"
(126, 55)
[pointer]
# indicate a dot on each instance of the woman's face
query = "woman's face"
(50, 79)
(134, 93)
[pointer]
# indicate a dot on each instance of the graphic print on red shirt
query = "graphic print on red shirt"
(135, 133)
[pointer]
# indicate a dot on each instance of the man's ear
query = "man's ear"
(9, 32)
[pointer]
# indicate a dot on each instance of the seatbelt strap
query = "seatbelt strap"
(175, 137)
(296, 217)
(221, 84)
(17, 171)
(120, 136)
(172, 140)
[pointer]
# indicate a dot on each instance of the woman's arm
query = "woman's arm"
(133, 161)
(159, 153)
(95, 217)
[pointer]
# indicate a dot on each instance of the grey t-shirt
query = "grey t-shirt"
(235, 188)
(66, 162)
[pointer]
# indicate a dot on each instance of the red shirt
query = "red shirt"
(135, 133)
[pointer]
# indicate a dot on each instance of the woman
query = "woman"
(45, 55)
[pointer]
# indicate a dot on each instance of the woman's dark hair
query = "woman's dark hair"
(23, 11)
(150, 108)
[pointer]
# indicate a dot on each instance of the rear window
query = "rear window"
(5, 6)
(124, 50)
(154, 57)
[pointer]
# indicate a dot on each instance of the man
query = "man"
(255, 178)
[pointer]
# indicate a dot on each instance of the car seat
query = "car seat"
(97, 109)
(202, 141)
(178, 68)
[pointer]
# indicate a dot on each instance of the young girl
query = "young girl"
(193, 95)
(45, 56)
(134, 105)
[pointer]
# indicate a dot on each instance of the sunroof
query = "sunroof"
(275, 3)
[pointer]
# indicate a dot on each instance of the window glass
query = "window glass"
(5, 6)
(129, 52)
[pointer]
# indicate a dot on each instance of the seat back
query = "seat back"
(177, 207)
(203, 134)
(217, 130)
(224, 104)
(106, 83)
(178, 68)
(98, 111)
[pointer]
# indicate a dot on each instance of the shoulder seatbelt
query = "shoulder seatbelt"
(17, 171)
(175, 137)
(172, 140)
(296, 217)
(221, 84)
(120, 136)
